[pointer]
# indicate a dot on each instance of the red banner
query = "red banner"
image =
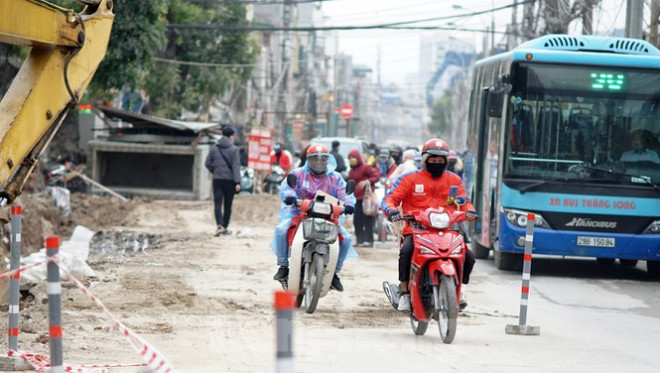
(259, 148)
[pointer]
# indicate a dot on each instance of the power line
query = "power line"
(393, 25)
(335, 28)
(260, 2)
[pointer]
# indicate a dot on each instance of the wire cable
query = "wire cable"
(393, 25)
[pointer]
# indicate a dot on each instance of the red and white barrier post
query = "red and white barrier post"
(284, 305)
(14, 282)
(522, 328)
(54, 307)
(10, 362)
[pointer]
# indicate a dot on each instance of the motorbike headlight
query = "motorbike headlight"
(439, 220)
(319, 230)
(321, 208)
(519, 218)
(426, 250)
(457, 250)
(653, 227)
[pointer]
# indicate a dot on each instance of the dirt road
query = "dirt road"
(205, 302)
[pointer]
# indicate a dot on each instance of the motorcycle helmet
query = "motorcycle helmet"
(277, 148)
(317, 159)
(384, 155)
(396, 153)
(435, 147)
(418, 159)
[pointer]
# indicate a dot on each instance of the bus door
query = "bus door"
(477, 198)
(487, 176)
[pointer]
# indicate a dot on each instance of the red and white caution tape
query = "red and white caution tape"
(17, 271)
(42, 363)
(154, 359)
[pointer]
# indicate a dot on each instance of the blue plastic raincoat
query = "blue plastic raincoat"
(306, 188)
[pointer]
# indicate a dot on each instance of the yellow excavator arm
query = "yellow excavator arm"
(67, 48)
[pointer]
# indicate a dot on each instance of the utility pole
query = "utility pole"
(655, 15)
(492, 33)
(634, 16)
(335, 93)
(378, 64)
(485, 43)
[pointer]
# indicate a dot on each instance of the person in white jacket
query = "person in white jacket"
(406, 166)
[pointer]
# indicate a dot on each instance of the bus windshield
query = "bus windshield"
(563, 116)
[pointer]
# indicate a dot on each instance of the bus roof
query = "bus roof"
(584, 49)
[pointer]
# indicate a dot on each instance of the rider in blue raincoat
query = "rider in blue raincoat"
(316, 175)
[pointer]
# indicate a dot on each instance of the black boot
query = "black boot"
(336, 284)
(282, 274)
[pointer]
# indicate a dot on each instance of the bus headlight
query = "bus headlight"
(519, 218)
(653, 227)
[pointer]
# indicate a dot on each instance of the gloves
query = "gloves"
(392, 212)
(348, 209)
(290, 200)
(471, 215)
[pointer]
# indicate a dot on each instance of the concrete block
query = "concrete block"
(13, 364)
(522, 329)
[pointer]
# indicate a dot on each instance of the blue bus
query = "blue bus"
(567, 128)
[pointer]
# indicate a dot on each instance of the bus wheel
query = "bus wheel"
(628, 262)
(480, 251)
(505, 261)
(653, 268)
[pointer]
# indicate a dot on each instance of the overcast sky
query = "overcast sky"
(400, 48)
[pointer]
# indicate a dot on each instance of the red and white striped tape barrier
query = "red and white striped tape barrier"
(42, 364)
(18, 271)
(152, 357)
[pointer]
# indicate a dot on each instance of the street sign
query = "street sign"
(259, 147)
(346, 111)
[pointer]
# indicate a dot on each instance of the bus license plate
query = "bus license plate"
(595, 241)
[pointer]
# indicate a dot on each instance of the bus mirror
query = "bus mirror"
(495, 102)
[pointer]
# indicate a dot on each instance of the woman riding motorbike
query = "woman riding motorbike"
(316, 175)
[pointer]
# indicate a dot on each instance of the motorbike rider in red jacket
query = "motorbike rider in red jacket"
(415, 191)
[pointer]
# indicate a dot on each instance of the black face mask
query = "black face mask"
(436, 169)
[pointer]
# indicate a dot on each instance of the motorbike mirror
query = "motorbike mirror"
(453, 191)
(291, 180)
(461, 201)
(350, 186)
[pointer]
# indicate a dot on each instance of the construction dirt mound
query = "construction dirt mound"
(41, 218)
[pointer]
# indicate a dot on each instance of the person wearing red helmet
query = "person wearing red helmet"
(318, 174)
(428, 187)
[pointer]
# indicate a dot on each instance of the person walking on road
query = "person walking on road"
(363, 175)
(223, 162)
(341, 165)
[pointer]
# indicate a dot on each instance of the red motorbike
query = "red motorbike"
(436, 269)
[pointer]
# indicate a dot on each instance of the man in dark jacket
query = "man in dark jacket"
(223, 162)
(341, 165)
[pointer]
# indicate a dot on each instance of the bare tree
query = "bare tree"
(542, 17)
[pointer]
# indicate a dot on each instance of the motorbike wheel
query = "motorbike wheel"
(418, 327)
(448, 309)
(313, 292)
